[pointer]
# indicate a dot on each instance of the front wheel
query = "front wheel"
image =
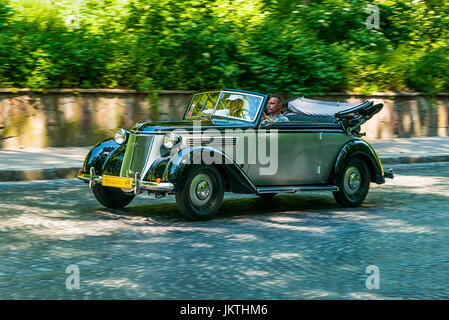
(202, 194)
(111, 197)
(353, 183)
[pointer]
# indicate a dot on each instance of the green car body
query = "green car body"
(218, 147)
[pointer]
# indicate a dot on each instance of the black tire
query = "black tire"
(353, 183)
(111, 197)
(267, 195)
(201, 204)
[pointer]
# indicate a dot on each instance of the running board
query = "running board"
(293, 189)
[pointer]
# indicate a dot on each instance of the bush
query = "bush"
(262, 45)
(290, 59)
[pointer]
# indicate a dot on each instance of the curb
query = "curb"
(414, 159)
(70, 173)
(38, 174)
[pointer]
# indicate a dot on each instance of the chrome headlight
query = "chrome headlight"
(121, 136)
(171, 139)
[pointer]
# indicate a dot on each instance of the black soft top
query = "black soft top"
(318, 108)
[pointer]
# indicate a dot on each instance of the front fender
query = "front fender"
(157, 169)
(106, 158)
(175, 169)
(364, 150)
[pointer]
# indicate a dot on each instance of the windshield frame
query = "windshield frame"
(262, 98)
(199, 116)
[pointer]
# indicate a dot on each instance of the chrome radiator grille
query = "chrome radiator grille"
(137, 155)
(215, 141)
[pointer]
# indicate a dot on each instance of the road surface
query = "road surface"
(290, 247)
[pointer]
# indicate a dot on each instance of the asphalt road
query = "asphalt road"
(290, 247)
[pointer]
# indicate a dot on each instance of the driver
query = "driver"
(274, 106)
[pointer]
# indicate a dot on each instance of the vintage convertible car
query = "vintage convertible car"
(223, 144)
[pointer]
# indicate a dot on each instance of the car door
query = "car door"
(331, 144)
(293, 160)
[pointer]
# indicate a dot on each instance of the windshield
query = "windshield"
(202, 104)
(228, 104)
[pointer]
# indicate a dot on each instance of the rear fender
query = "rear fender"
(363, 150)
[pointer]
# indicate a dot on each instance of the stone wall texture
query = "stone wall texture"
(82, 117)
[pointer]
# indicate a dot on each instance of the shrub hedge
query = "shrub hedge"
(302, 47)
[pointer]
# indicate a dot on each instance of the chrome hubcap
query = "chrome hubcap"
(352, 180)
(201, 190)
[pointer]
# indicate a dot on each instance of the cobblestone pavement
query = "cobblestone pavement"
(289, 247)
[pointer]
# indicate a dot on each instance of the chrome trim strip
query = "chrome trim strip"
(217, 140)
(294, 189)
(279, 129)
(146, 133)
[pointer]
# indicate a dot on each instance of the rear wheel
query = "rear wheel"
(202, 194)
(353, 183)
(111, 197)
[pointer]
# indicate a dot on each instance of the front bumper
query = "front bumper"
(138, 185)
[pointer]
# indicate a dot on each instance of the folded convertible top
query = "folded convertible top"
(323, 108)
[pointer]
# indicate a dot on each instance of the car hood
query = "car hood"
(189, 125)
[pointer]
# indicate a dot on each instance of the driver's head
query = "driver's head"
(274, 105)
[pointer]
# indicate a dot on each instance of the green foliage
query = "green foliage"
(289, 58)
(302, 47)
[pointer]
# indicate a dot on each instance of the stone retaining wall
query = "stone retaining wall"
(82, 117)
